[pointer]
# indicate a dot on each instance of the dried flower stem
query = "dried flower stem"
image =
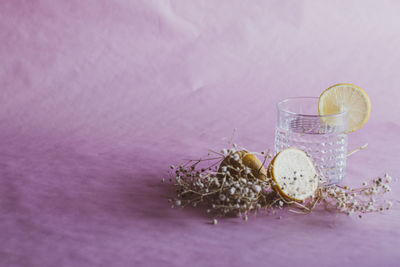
(357, 149)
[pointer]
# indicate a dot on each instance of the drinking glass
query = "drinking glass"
(322, 137)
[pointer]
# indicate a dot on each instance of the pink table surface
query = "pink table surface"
(98, 98)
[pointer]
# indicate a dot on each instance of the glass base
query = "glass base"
(328, 151)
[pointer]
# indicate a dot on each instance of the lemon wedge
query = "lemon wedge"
(346, 96)
(294, 174)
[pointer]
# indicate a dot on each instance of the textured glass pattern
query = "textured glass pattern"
(324, 139)
(328, 151)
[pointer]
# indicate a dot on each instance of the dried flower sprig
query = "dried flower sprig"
(227, 185)
(227, 189)
(368, 198)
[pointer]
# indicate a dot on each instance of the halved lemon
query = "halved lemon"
(342, 96)
(294, 174)
(249, 160)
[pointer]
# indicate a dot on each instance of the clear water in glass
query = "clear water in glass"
(324, 138)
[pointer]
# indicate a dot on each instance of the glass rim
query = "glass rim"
(280, 108)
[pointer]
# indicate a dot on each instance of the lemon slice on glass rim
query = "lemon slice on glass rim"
(346, 96)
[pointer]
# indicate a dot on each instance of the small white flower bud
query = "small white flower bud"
(371, 208)
(388, 179)
(232, 190)
(256, 188)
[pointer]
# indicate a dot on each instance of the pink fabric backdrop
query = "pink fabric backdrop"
(99, 97)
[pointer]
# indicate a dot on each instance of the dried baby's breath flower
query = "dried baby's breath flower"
(231, 189)
(365, 199)
(225, 185)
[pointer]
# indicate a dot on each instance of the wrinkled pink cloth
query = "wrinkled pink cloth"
(98, 98)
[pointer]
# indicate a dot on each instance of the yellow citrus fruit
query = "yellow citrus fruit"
(294, 174)
(346, 96)
(249, 160)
